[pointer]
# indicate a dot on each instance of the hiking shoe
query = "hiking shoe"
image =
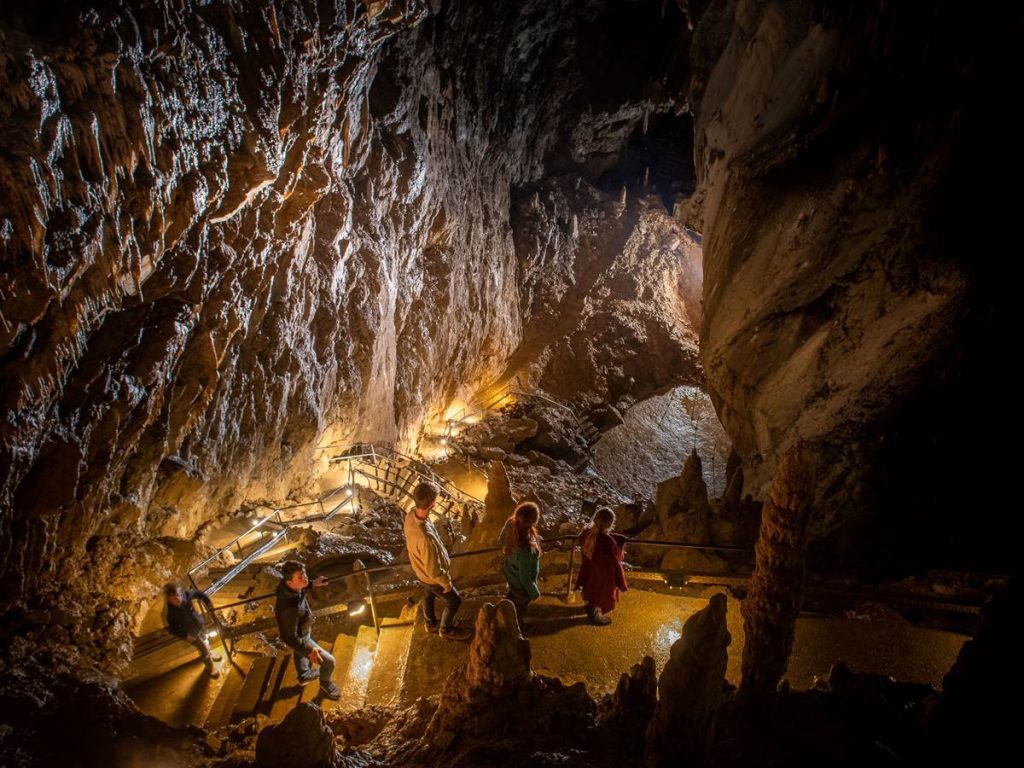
(599, 618)
(306, 679)
(215, 657)
(432, 629)
(330, 691)
(213, 672)
(456, 633)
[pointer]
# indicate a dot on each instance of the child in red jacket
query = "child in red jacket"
(601, 575)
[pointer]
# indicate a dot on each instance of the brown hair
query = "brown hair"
(423, 494)
(522, 528)
(604, 519)
(170, 588)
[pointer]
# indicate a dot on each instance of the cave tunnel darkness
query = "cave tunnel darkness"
(728, 267)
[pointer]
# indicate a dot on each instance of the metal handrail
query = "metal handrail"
(245, 559)
(547, 399)
(227, 635)
(370, 595)
(678, 545)
(233, 543)
(392, 567)
(489, 550)
(414, 465)
(275, 516)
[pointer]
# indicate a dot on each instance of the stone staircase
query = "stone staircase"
(369, 670)
(395, 668)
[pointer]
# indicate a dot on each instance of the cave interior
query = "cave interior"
(725, 268)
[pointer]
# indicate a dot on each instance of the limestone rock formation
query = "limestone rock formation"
(627, 284)
(498, 506)
(558, 433)
(495, 711)
(689, 691)
(657, 436)
(682, 503)
(498, 431)
(231, 233)
(302, 740)
(499, 659)
(50, 715)
(971, 720)
(625, 714)
(684, 516)
(777, 586)
(733, 482)
(840, 289)
(495, 696)
(637, 691)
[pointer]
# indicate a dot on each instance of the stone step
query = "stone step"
(235, 677)
(288, 692)
(342, 650)
(385, 684)
(159, 652)
(431, 658)
(356, 677)
(252, 691)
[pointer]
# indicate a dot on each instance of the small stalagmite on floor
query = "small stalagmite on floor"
(689, 691)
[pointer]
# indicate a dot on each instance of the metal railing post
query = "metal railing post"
(568, 576)
(373, 602)
(225, 640)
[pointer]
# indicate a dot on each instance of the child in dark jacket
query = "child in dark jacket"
(601, 575)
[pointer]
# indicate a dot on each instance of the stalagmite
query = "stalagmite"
(777, 586)
(689, 691)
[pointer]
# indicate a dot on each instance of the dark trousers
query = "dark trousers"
(520, 598)
(452, 600)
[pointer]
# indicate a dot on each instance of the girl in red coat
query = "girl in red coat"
(601, 575)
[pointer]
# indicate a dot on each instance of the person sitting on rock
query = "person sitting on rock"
(520, 544)
(432, 566)
(295, 625)
(184, 621)
(601, 575)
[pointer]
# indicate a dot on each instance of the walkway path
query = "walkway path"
(406, 662)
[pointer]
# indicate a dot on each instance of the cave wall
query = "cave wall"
(611, 293)
(841, 155)
(231, 231)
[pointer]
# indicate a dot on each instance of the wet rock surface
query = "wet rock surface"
(302, 739)
(689, 691)
(230, 232)
(655, 439)
(495, 708)
(620, 317)
(839, 289)
(52, 715)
